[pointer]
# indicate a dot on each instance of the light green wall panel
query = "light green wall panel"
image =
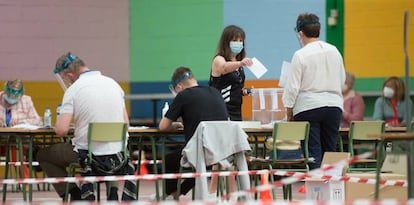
(166, 34)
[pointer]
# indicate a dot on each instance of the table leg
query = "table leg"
(6, 168)
(380, 157)
(410, 169)
(155, 167)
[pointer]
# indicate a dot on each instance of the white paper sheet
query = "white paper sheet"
(262, 99)
(27, 126)
(275, 101)
(284, 73)
(257, 68)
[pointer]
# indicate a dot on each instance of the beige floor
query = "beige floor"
(146, 190)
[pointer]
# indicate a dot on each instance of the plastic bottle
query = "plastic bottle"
(47, 118)
(58, 111)
(165, 109)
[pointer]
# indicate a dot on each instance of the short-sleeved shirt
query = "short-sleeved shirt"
(94, 98)
(195, 104)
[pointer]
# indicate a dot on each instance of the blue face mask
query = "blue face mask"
(10, 100)
(236, 46)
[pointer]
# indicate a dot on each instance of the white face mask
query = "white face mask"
(10, 100)
(236, 46)
(388, 92)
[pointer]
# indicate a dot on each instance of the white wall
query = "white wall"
(34, 33)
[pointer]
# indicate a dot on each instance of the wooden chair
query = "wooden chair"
(358, 140)
(101, 132)
(287, 131)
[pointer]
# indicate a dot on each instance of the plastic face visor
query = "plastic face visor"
(65, 65)
(14, 93)
(175, 83)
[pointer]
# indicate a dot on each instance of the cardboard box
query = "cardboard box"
(267, 105)
(325, 190)
(317, 189)
(366, 191)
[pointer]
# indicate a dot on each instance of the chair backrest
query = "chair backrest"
(106, 132)
(297, 130)
(359, 130)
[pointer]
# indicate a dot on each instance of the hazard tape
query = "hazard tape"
(292, 176)
(258, 202)
(297, 176)
(37, 163)
(19, 163)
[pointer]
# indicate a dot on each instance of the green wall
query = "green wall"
(168, 34)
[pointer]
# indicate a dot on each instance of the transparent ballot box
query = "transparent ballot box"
(267, 105)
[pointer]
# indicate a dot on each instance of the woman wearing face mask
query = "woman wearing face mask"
(15, 107)
(354, 106)
(390, 107)
(227, 74)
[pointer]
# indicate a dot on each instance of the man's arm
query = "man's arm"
(63, 124)
(166, 124)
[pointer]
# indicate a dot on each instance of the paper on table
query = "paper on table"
(257, 68)
(284, 74)
(27, 126)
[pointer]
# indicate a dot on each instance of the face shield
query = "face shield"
(175, 83)
(58, 72)
(12, 96)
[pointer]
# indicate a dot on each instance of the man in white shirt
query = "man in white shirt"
(92, 97)
(313, 91)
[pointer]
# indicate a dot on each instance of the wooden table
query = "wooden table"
(389, 137)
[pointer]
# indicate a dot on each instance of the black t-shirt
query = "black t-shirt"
(195, 104)
(230, 85)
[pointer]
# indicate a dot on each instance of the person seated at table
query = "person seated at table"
(92, 97)
(391, 106)
(193, 103)
(17, 108)
(354, 106)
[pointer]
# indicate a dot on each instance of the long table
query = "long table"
(18, 137)
(139, 137)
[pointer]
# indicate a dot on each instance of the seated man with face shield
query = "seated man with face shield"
(17, 108)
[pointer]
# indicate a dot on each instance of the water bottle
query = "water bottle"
(58, 111)
(165, 109)
(47, 118)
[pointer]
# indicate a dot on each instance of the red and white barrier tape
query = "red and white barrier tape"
(293, 176)
(19, 163)
(147, 161)
(299, 176)
(259, 202)
(37, 163)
